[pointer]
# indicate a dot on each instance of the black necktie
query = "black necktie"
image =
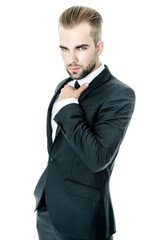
(76, 85)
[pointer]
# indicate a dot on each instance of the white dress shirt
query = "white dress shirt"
(60, 104)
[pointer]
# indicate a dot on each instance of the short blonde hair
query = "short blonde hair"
(75, 15)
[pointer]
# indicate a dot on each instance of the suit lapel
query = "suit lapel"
(100, 79)
(49, 113)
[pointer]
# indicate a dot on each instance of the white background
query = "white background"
(31, 67)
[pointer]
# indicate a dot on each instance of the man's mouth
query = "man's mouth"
(74, 69)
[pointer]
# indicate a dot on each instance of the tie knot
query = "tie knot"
(76, 85)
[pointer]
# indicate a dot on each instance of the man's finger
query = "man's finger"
(82, 88)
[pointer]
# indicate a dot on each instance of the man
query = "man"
(86, 123)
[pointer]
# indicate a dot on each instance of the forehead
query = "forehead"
(80, 34)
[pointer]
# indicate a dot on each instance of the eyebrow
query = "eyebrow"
(62, 46)
(78, 46)
(82, 45)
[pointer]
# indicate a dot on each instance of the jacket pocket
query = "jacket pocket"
(82, 190)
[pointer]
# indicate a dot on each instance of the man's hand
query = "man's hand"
(71, 92)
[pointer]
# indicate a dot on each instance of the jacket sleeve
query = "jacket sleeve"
(97, 146)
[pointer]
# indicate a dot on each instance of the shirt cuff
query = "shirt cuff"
(60, 104)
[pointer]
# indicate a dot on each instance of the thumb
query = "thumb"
(82, 88)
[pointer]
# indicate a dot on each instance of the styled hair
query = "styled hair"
(76, 15)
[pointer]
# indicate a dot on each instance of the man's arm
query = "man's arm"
(97, 147)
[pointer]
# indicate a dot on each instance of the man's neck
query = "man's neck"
(91, 75)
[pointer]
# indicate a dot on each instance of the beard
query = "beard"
(84, 72)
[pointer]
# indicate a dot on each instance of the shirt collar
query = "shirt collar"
(89, 77)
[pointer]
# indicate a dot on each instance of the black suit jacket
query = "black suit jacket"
(81, 159)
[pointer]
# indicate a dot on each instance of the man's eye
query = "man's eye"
(64, 49)
(82, 48)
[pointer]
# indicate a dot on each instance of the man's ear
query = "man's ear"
(100, 46)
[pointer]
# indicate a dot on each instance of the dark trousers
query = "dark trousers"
(46, 230)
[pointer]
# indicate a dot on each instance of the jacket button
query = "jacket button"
(51, 159)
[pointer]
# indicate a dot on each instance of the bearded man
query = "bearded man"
(87, 119)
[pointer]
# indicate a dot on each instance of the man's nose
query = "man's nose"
(73, 57)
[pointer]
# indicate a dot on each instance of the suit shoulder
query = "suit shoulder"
(119, 96)
(121, 88)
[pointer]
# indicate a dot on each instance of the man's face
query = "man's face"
(78, 51)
